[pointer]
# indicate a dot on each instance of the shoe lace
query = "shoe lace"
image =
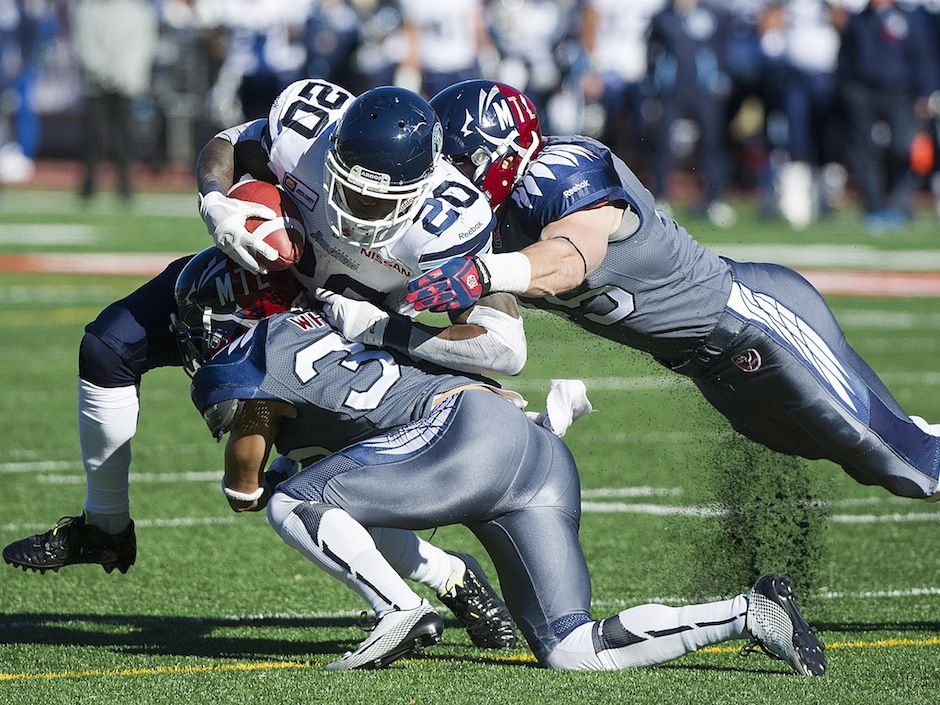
(757, 646)
(63, 523)
(366, 622)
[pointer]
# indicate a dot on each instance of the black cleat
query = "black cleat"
(72, 541)
(478, 607)
(778, 629)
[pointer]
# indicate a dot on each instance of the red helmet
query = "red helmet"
(490, 129)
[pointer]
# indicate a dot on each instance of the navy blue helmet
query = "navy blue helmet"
(217, 300)
(380, 164)
(491, 132)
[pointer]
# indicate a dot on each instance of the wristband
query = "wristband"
(510, 272)
(241, 496)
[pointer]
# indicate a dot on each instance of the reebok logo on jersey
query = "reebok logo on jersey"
(748, 361)
(580, 186)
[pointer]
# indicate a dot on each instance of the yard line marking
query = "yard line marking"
(38, 466)
(158, 670)
(138, 477)
(860, 256)
(710, 512)
(280, 665)
(603, 492)
(675, 381)
(877, 644)
(827, 595)
(170, 523)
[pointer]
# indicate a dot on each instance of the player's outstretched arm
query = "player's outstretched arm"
(218, 166)
(487, 338)
(569, 249)
(246, 453)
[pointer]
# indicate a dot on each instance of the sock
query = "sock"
(649, 634)
(418, 560)
(107, 421)
(341, 546)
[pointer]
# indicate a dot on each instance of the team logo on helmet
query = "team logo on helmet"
(748, 361)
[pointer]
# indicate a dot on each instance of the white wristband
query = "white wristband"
(510, 271)
(242, 496)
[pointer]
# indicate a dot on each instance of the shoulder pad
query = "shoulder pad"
(458, 219)
(234, 373)
(568, 175)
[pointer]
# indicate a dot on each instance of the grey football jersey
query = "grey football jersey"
(657, 289)
(343, 392)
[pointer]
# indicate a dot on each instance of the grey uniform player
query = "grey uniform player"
(581, 236)
(421, 450)
(380, 206)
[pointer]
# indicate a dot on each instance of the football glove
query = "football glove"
(455, 285)
(225, 218)
(358, 321)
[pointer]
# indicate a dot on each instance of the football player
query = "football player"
(579, 235)
(380, 206)
(421, 450)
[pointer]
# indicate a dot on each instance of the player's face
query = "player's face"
(367, 207)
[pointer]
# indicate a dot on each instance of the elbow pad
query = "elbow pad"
(500, 351)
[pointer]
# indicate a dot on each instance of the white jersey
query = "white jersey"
(448, 40)
(455, 219)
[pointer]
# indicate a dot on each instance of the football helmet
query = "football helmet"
(217, 300)
(380, 164)
(491, 132)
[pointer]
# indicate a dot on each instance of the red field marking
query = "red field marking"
(844, 282)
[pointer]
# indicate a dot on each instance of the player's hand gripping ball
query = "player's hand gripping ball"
(284, 232)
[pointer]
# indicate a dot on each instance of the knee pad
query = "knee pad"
(100, 365)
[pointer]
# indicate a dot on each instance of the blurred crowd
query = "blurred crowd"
(788, 99)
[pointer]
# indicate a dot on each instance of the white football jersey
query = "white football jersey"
(455, 219)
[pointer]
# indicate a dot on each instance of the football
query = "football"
(285, 232)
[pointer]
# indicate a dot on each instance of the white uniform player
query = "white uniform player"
(380, 207)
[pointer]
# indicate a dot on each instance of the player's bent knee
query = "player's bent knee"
(280, 507)
(100, 365)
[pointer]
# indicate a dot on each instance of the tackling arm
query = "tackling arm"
(568, 250)
(246, 453)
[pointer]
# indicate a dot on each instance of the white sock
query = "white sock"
(649, 634)
(107, 421)
(341, 546)
(928, 428)
(418, 560)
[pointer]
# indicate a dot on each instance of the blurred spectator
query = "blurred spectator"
(526, 33)
(190, 52)
(20, 35)
(115, 42)
(331, 36)
(687, 42)
(810, 54)
(444, 42)
(886, 74)
(265, 53)
(614, 35)
(755, 108)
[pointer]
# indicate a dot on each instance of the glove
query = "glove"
(457, 284)
(566, 403)
(358, 321)
(225, 217)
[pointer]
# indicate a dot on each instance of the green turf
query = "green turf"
(209, 605)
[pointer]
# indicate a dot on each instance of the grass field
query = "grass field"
(218, 610)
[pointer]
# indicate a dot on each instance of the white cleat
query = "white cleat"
(928, 428)
(778, 629)
(395, 635)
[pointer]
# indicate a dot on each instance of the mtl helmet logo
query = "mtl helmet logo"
(748, 361)
(503, 107)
